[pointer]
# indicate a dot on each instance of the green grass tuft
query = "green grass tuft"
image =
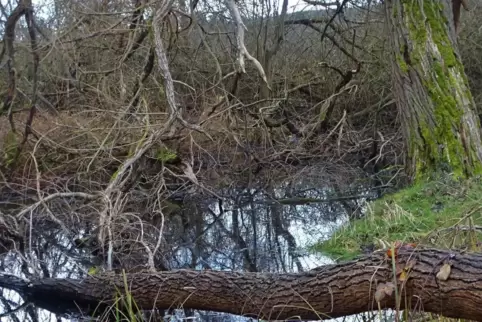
(443, 213)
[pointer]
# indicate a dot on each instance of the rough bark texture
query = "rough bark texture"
(329, 291)
(438, 112)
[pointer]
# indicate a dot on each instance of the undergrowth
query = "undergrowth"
(443, 213)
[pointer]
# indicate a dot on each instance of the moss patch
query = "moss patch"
(402, 64)
(438, 144)
(165, 154)
(440, 213)
(10, 146)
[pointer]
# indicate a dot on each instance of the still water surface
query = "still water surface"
(262, 230)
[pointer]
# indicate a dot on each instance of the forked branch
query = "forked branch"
(242, 51)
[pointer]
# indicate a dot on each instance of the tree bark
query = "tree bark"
(438, 113)
(327, 292)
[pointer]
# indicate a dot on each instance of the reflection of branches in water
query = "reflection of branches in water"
(247, 229)
(243, 231)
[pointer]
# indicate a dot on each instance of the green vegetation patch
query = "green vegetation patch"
(441, 213)
(10, 146)
(437, 143)
(165, 154)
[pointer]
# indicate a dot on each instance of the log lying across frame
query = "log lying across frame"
(437, 281)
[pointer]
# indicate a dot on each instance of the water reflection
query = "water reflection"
(259, 230)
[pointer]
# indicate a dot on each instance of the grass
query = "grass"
(442, 213)
(123, 309)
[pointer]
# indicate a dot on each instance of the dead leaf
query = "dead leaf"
(400, 246)
(398, 268)
(393, 253)
(383, 290)
(403, 274)
(444, 272)
(389, 288)
(380, 293)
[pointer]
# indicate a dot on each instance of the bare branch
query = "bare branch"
(242, 51)
(322, 3)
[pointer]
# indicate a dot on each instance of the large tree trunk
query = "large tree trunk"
(438, 113)
(330, 291)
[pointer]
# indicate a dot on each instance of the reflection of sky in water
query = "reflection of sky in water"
(305, 234)
(307, 223)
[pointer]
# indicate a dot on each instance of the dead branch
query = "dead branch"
(242, 51)
(8, 39)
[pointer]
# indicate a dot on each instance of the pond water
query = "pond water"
(266, 230)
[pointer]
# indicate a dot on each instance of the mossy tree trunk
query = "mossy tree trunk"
(438, 113)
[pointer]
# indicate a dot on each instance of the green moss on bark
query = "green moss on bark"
(439, 145)
(402, 64)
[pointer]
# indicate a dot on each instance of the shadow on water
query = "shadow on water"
(257, 230)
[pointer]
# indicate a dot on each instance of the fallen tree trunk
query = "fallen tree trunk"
(327, 292)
